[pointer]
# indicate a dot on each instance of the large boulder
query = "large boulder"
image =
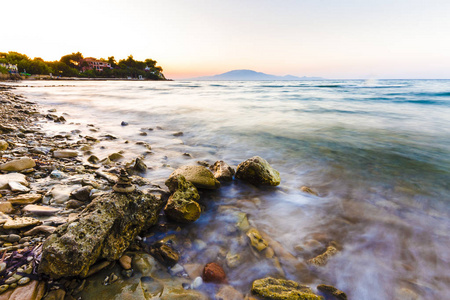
(182, 205)
(282, 289)
(103, 230)
(18, 164)
(258, 171)
(200, 176)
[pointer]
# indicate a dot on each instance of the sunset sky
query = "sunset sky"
(327, 38)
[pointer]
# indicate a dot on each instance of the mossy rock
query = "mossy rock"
(282, 289)
(199, 176)
(258, 171)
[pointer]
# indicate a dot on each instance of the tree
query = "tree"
(73, 60)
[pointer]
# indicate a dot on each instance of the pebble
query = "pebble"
(23, 281)
(196, 283)
(18, 187)
(3, 288)
(2, 266)
(125, 262)
(12, 238)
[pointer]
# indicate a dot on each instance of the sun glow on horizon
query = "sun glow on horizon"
(347, 39)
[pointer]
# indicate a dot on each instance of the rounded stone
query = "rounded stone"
(258, 171)
(23, 281)
(214, 273)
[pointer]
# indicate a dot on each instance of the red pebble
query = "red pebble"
(214, 273)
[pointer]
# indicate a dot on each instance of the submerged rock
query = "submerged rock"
(164, 254)
(65, 153)
(104, 229)
(322, 259)
(331, 290)
(258, 171)
(200, 176)
(182, 206)
(214, 273)
(18, 165)
(256, 240)
(282, 289)
(309, 190)
(222, 171)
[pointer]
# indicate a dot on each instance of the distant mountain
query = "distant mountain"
(252, 75)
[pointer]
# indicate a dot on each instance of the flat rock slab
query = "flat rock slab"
(40, 210)
(103, 230)
(25, 199)
(12, 177)
(18, 187)
(65, 153)
(20, 223)
(18, 164)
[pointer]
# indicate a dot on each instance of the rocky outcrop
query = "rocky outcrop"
(182, 205)
(199, 176)
(103, 230)
(222, 171)
(258, 171)
(282, 289)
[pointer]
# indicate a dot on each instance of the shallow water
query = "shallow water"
(378, 154)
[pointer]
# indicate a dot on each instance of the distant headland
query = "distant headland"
(248, 75)
(14, 65)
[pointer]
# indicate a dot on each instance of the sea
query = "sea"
(376, 152)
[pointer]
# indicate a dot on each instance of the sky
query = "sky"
(341, 39)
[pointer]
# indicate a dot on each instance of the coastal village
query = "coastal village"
(75, 225)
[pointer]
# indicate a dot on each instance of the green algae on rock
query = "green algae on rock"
(282, 289)
(201, 177)
(258, 171)
(103, 230)
(331, 290)
(182, 206)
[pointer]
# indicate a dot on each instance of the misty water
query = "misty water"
(376, 152)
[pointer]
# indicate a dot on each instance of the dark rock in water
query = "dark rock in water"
(258, 171)
(282, 289)
(164, 254)
(74, 204)
(200, 176)
(331, 290)
(222, 171)
(182, 206)
(214, 273)
(124, 123)
(82, 194)
(309, 190)
(137, 167)
(103, 230)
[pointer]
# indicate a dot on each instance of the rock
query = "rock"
(57, 174)
(214, 273)
(257, 171)
(115, 157)
(3, 289)
(103, 230)
(3, 145)
(25, 199)
(308, 190)
(40, 229)
(82, 194)
(123, 184)
(96, 268)
(199, 176)
(23, 281)
(164, 254)
(322, 259)
(40, 210)
(256, 239)
(16, 177)
(61, 193)
(74, 204)
(282, 289)
(222, 171)
(125, 262)
(58, 294)
(182, 206)
(67, 153)
(18, 187)
(4, 128)
(32, 291)
(144, 263)
(18, 165)
(198, 281)
(2, 268)
(6, 207)
(138, 167)
(227, 292)
(123, 123)
(20, 223)
(193, 270)
(331, 290)
(12, 238)
(93, 159)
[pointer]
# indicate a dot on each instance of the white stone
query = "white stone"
(196, 283)
(17, 177)
(18, 187)
(40, 210)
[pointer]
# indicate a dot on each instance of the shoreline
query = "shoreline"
(48, 197)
